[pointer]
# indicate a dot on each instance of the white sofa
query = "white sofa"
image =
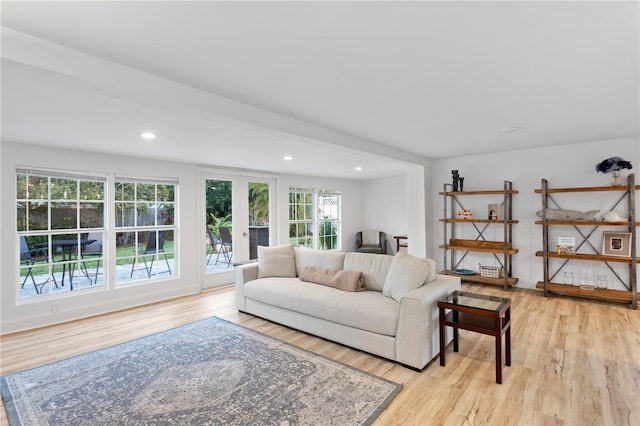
(392, 318)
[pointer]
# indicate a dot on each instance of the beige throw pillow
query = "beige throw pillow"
(342, 280)
(276, 261)
(406, 273)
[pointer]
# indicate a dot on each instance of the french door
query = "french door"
(236, 218)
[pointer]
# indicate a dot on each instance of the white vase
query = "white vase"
(616, 180)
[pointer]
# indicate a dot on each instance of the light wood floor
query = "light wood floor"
(574, 362)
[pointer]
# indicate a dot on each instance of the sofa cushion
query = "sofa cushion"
(371, 238)
(276, 261)
(326, 259)
(342, 280)
(406, 273)
(374, 267)
(365, 310)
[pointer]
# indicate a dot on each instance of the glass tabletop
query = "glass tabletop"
(475, 300)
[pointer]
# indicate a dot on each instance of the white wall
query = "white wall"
(16, 315)
(385, 207)
(563, 166)
(401, 205)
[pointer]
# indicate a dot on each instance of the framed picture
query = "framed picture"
(616, 243)
(494, 211)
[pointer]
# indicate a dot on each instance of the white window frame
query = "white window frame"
(47, 251)
(312, 220)
(152, 266)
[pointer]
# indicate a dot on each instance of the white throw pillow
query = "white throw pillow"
(276, 261)
(406, 273)
(370, 238)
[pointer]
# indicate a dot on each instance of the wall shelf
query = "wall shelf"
(502, 250)
(630, 295)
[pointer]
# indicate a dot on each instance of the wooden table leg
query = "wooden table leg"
(507, 337)
(442, 339)
(498, 337)
(455, 331)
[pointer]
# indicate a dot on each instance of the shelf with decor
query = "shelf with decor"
(625, 243)
(456, 249)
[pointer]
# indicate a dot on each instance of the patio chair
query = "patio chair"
(93, 250)
(371, 242)
(151, 249)
(211, 245)
(29, 256)
(226, 245)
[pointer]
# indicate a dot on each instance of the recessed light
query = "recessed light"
(511, 129)
(147, 135)
(288, 158)
(358, 169)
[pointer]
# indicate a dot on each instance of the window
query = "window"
(60, 224)
(314, 218)
(145, 229)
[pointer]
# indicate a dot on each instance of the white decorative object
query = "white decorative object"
(559, 214)
(613, 217)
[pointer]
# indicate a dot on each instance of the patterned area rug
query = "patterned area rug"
(208, 372)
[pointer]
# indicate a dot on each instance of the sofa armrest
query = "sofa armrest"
(244, 274)
(417, 336)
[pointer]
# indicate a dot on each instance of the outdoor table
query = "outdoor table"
(67, 247)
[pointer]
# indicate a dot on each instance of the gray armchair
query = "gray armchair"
(371, 242)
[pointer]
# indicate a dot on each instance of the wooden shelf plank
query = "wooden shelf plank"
(598, 293)
(512, 221)
(594, 257)
(477, 278)
(584, 222)
(490, 192)
(478, 249)
(587, 189)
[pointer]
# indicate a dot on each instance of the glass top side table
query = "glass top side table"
(479, 313)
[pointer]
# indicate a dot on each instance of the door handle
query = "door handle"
(244, 234)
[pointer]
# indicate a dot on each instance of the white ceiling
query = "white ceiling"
(241, 84)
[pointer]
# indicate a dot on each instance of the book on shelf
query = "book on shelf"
(566, 245)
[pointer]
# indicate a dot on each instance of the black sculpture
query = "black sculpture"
(461, 181)
(456, 178)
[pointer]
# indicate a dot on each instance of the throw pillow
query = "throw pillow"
(370, 237)
(406, 273)
(276, 261)
(342, 280)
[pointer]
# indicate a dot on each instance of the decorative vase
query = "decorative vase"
(616, 180)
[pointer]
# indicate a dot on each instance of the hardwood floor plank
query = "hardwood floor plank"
(573, 361)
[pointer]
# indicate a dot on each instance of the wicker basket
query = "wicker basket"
(491, 271)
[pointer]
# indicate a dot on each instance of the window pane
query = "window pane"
(125, 214)
(38, 188)
(21, 187)
(308, 212)
(124, 191)
(21, 216)
(166, 192)
(91, 190)
(64, 189)
(64, 215)
(91, 215)
(38, 215)
(146, 192)
(165, 214)
(145, 213)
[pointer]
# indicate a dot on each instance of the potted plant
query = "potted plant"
(613, 165)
